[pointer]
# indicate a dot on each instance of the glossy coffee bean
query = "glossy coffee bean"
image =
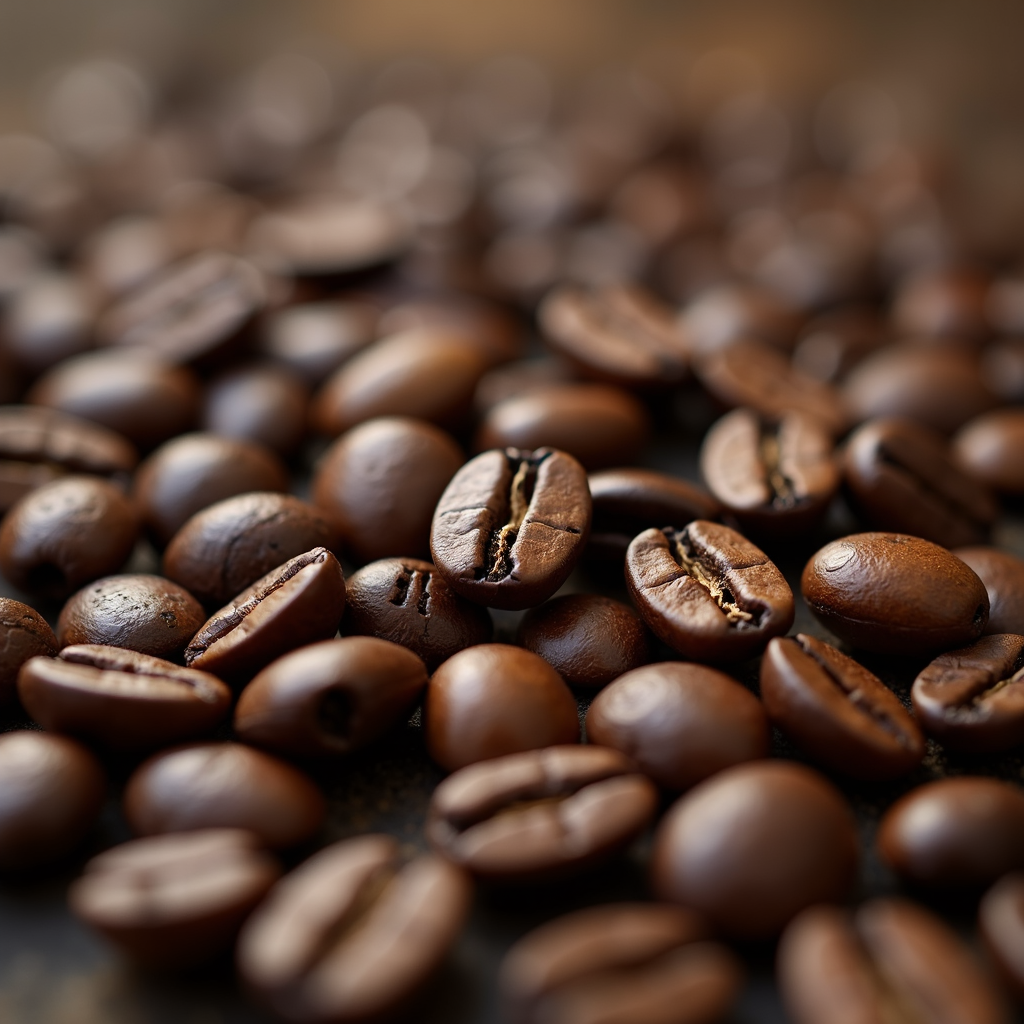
(168, 902)
(837, 711)
(494, 699)
(353, 933)
(894, 594)
(511, 525)
(707, 591)
(408, 602)
(223, 785)
(942, 308)
(1001, 926)
(382, 480)
(959, 832)
(990, 449)
(679, 723)
(230, 545)
(330, 698)
(636, 962)
(66, 533)
(754, 845)
(121, 699)
(523, 377)
(540, 814)
(53, 791)
(295, 604)
(24, 634)
(1003, 576)
(146, 614)
(194, 471)
(971, 699)
(902, 476)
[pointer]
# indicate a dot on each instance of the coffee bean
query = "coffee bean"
(955, 833)
(168, 902)
(494, 699)
(989, 449)
(540, 814)
(120, 255)
(894, 594)
(408, 602)
(382, 480)
(942, 308)
(223, 785)
(730, 313)
(680, 723)
(511, 525)
(330, 698)
(353, 934)
(24, 634)
(754, 845)
(833, 343)
(837, 711)
(1003, 576)
(48, 320)
(53, 789)
(707, 591)
(121, 699)
(1001, 927)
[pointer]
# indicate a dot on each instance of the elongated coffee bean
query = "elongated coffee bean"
(24, 634)
(1001, 924)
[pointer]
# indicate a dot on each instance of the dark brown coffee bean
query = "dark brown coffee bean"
(541, 813)
(722, 316)
(145, 614)
(230, 545)
(1002, 368)
(894, 594)
(168, 902)
(830, 345)
(902, 476)
(353, 933)
(754, 845)
(954, 833)
(837, 711)
(331, 698)
(494, 699)
(47, 321)
(989, 448)
(295, 604)
(679, 723)
(65, 534)
(24, 634)
(1003, 576)
(588, 639)
(598, 424)
(223, 785)
(523, 377)
(707, 591)
(1001, 926)
(382, 481)
(776, 479)
(121, 699)
(624, 963)
(511, 525)
(408, 602)
(948, 307)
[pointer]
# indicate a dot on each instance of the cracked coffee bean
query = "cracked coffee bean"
(24, 634)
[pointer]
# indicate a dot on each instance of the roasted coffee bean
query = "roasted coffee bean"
(960, 832)
(330, 698)
(624, 963)
(775, 479)
(194, 471)
(942, 308)
(353, 933)
(707, 591)
(493, 699)
(732, 313)
(145, 614)
(837, 711)
(48, 320)
(1003, 576)
(230, 545)
(524, 377)
(892, 960)
(53, 789)
(121, 699)
(408, 602)
(295, 604)
(830, 345)
(168, 902)
(24, 634)
(511, 525)
(972, 699)
(902, 476)
(223, 785)
(990, 447)
(382, 481)
(598, 424)
(680, 723)
(587, 638)
(754, 845)
(120, 255)
(540, 814)
(66, 533)
(1001, 927)
(894, 594)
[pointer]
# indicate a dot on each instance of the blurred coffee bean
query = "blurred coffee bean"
(199, 215)
(991, 449)
(663, 200)
(830, 345)
(1001, 927)
(21, 259)
(47, 320)
(1002, 369)
(945, 308)
(24, 634)
(1003, 576)
(123, 253)
(719, 317)
(523, 377)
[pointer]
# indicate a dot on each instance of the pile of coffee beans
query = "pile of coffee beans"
(479, 550)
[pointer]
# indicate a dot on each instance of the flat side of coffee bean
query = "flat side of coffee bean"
(1003, 577)
(844, 716)
(1001, 926)
(24, 634)
(511, 525)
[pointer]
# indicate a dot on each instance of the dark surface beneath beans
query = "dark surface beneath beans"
(52, 969)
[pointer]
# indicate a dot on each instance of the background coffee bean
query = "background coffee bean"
(24, 634)
(1001, 926)
(721, 316)
(47, 320)
(1003, 576)
(989, 448)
